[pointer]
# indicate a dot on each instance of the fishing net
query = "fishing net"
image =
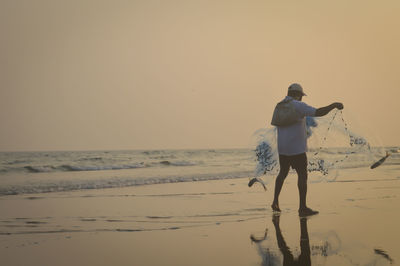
(332, 146)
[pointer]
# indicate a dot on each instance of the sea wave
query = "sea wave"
(71, 168)
(38, 169)
(178, 163)
(98, 167)
(67, 167)
(74, 168)
(91, 159)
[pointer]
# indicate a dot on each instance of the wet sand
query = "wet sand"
(222, 222)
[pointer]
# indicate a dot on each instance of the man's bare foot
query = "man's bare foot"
(307, 212)
(275, 207)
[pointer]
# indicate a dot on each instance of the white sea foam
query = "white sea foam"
(78, 184)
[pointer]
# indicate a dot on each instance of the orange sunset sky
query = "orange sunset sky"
(92, 74)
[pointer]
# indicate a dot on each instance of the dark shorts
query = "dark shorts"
(297, 162)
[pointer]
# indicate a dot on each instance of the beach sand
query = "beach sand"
(221, 222)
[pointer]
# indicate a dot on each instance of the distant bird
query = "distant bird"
(378, 163)
(256, 179)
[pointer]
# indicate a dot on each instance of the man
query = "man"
(292, 146)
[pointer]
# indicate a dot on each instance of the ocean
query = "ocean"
(126, 205)
(56, 171)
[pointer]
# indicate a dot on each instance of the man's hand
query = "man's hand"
(339, 106)
(325, 110)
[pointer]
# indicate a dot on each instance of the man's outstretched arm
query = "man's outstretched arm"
(325, 110)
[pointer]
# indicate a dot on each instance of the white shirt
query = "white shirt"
(292, 140)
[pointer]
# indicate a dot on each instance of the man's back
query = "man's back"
(292, 139)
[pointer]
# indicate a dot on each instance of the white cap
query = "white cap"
(296, 87)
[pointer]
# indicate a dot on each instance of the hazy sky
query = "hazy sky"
(79, 75)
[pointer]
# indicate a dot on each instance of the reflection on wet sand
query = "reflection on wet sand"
(288, 259)
(329, 246)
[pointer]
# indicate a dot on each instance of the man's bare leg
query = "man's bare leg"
(302, 185)
(278, 187)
